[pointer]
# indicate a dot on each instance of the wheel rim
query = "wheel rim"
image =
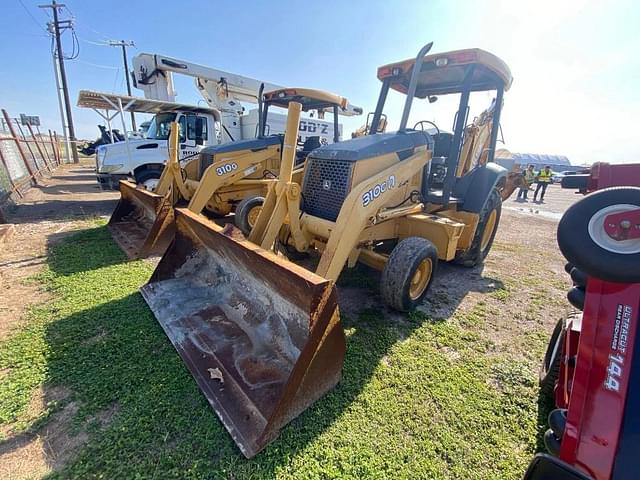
(420, 279)
(150, 184)
(252, 216)
(603, 240)
(488, 229)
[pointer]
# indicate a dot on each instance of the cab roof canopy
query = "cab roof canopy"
(444, 73)
(311, 100)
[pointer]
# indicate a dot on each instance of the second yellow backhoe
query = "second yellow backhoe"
(223, 178)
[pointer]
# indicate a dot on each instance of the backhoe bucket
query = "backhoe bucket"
(142, 223)
(261, 336)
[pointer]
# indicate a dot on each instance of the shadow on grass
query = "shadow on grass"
(87, 250)
(359, 288)
(545, 405)
(115, 356)
(139, 409)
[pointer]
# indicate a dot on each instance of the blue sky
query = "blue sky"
(575, 62)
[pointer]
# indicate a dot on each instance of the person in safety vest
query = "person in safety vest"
(543, 178)
(528, 177)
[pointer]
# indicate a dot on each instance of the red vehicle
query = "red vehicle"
(592, 364)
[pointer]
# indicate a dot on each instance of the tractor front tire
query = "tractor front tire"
(408, 273)
(247, 213)
(485, 232)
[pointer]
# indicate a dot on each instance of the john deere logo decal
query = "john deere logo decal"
(326, 184)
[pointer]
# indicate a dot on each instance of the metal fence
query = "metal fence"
(27, 154)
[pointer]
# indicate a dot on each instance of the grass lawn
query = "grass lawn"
(420, 398)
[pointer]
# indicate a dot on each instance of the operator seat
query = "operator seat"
(309, 145)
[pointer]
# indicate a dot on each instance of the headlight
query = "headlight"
(110, 168)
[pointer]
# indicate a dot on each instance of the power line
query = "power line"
(92, 42)
(97, 65)
(32, 16)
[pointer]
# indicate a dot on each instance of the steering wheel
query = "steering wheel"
(422, 122)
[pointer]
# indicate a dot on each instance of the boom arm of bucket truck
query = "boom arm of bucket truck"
(222, 90)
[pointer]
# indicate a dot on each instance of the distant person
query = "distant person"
(544, 179)
(528, 177)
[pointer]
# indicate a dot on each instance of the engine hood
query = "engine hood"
(142, 150)
(373, 146)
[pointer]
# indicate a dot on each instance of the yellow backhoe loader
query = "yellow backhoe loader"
(223, 178)
(262, 335)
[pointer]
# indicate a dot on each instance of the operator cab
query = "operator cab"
(312, 133)
(457, 156)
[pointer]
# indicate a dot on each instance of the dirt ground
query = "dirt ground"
(64, 202)
(70, 200)
(60, 204)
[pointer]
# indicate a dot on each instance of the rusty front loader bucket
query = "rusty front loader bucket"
(142, 223)
(261, 336)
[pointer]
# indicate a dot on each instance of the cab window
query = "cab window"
(183, 127)
(196, 128)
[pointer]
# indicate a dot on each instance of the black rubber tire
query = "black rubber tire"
(579, 248)
(475, 255)
(568, 267)
(552, 443)
(558, 421)
(576, 296)
(241, 219)
(579, 278)
(145, 175)
(400, 268)
(550, 368)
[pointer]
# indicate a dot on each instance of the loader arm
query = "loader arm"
(356, 212)
(282, 195)
(171, 181)
(227, 171)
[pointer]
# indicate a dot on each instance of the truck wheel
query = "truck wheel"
(408, 273)
(485, 233)
(247, 213)
(148, 179)
(550, 368)
(585, 243)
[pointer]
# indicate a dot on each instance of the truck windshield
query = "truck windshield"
(160, 126)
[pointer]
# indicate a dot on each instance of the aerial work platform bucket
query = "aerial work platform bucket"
(261, 335)
(142, 223)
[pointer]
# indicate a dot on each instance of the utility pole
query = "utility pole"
(124, 45)
(57, 24)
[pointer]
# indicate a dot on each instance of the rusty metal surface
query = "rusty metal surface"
(261, 336)
(142, 223)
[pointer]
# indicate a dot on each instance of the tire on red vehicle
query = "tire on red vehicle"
(550, 368)
(585, 244)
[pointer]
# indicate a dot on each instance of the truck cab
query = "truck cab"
(143, 159)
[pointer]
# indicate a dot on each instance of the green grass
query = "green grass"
(419, 399)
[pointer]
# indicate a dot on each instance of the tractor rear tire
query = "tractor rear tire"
(584, 242)
(550, 368)
(485, 233)
(246, 213)
(408, 273)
